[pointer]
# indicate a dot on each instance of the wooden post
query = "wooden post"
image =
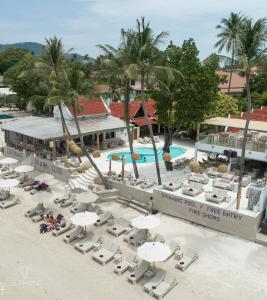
(109, 169)
(24, 141)
(216, 129)
(54, 151)
(33, 145)
(97, 141)
(122, 168)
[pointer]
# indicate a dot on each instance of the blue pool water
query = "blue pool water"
(6, 116)
(147, 154)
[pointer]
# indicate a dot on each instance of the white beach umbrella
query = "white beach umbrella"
(146, 222)
(8, 183)
(24, 169)
(8, 161)
(84, 218)
(86, 197)
(153, 252)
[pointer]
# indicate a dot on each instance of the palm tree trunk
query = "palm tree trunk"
(242, 159)
(149, 127)
(126, 116)
(105, 183)
(231, 70)
(64, 127)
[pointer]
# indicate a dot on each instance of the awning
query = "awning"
(237, 123)
(142, 121)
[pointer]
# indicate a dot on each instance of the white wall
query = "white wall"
(122, 133)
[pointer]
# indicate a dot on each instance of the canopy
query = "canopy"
(24, 169)
(84, 218)
(8, 183)
(8, 161)
(237, 123)
(153, 252)
(146, 222)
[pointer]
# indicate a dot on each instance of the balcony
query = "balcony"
(256, 146)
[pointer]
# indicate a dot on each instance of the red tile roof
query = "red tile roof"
(117, 108)
(89, 107)
(237, 84)
(142, 121)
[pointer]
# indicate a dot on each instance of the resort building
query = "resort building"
(43, 136)
(136, 115)
(232, 136)
(237, 83)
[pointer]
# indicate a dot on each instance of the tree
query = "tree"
(223, 105)
(228, 38)
(54, 58)
(117, 66)
(23, 86)
(145, 52)
(69, 86)
(250, 49)
(11, 56)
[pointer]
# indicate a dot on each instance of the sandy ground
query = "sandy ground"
(38, 267)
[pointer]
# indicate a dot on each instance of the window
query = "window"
(109, 135)
(132, 82)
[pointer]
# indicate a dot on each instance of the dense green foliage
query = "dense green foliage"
(9, 57)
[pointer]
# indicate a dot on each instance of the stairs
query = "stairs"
(84, 181)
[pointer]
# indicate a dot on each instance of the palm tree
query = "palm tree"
(54, 57)
(70, 86)
(228, 37)
(144, 49)
(118, 66)
(250, 49)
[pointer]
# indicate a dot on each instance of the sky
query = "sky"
(82, 24)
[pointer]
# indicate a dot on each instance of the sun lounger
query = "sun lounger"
(186, 261)
(172, 186)
(174, 246)
(39, 217)
(155, 281)
(106, 253)
(11, 175)
(138, 238)
(68, 202)
(217, 195)
(104, 218)
(88, 243)
(158, 238)
(79, 207)
(62, 198)
(128, 263)
(5, 172)
(28, 182)
(202, 178)
(147, 140)
(139, 272)
(168, 283)
(141, 141)
(119, 226)
(224, 184)
(32, 186)
(4, 195)
(35, 211)
(11, 201)
(147, 185)
(62, 229)
(213, 173)
(77, 233)
(156, 139)
(135, 182)
(193, 188)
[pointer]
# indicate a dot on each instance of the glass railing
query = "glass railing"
(234, 142)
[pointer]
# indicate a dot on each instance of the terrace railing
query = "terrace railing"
(234, 141)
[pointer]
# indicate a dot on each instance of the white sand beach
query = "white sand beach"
(35, 266)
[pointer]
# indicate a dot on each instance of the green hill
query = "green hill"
(36, 48)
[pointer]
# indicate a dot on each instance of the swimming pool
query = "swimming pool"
(147, 154)
(6, 116)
